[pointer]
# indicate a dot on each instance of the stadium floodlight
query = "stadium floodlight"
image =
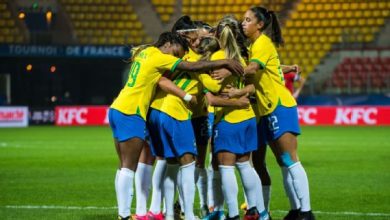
(29, 67)
(53, 69)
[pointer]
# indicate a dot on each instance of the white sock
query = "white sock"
(188, 189)
(210, 191)
(125, 191)
(143, 176)
(252, 188)
(116, 185)
(201, 184)
(217, 191)
(179, 189)
(266, 196)
(289, 189)
(170, 188)
(229, 189)
(157, 183)
(301, 185)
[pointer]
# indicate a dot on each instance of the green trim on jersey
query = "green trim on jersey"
(175, 65)
(262, 65)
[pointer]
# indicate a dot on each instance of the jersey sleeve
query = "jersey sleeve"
(209, 83)
(166, 62)
(260, 55)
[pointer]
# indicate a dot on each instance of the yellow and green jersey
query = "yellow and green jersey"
(146, 70)
(191, 83)
(230, 114)
(268, 80)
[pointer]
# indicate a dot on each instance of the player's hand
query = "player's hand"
(193, 101)
(235, 66)
(220, 74)
(296, 68)
(243, 101)
(231, 91)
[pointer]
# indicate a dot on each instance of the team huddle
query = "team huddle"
(201, 86)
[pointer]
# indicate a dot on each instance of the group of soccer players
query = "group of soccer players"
(195, 84)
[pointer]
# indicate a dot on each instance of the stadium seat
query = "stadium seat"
(96, 16)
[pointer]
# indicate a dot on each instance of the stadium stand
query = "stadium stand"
(105, 22)
(164, 8)
(361, 75)
(9, 31)
(211, 11)
(315, 25)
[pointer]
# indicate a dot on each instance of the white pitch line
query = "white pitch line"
(347, 213)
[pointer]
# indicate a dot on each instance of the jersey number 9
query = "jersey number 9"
(133, 74)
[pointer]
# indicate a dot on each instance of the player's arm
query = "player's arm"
(204, 66)
(214, 100)
(169, 87)
(233, 92)
(252, 68)
(290, 68)
(301, 80)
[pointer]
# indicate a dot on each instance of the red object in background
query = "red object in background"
(348, 115)
(308, 115)
(81, 115)
(289, 81)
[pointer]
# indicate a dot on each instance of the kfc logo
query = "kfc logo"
(308, 115)
(70, 116)
(353, 116)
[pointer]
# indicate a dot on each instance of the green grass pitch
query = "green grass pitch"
(68, 173)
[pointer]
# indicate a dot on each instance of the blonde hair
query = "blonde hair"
(227, 30)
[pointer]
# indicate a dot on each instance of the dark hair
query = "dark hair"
(202, 24)
(207, 46)
(183, 23)
(269, 17)
(164, 38)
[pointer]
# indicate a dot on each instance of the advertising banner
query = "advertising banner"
(352, 115)
(41, 116)
(308, 115)
(81, 115)
(15, 116)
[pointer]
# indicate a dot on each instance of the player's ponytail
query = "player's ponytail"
(276, 35)
(228, 29)
(269, 18)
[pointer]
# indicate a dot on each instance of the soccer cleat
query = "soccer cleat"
(252, 214)
(152, 216)
(215, 215)
(204, 211)
(243, 206)
(123, 218)
(292, 215)
(306, 216)
(139, 217)
(177, 209)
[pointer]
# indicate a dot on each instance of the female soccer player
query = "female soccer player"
(235, 133)
(128, 112)
(277, 108)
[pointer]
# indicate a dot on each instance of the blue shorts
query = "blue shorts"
(237, 138)
(125, 127)
(281, 120)
(170, 137)
(201, 126)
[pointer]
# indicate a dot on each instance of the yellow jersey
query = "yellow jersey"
(147, 68)
(174, 106)
(231, 114)
(268, 80)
